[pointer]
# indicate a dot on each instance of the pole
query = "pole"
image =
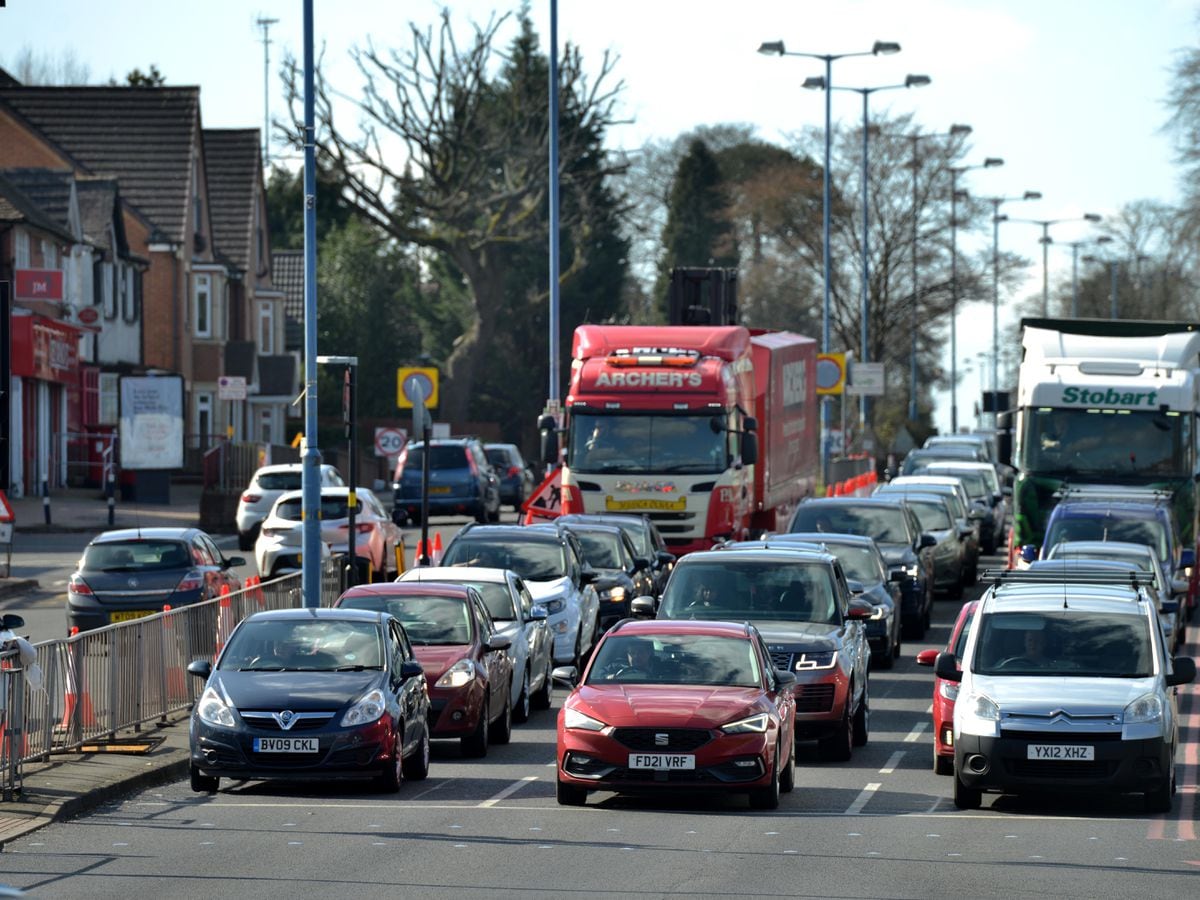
(1112, 290)
(426, 437)
(866, 264)
(826, 266)
(350, 405)
(1075, 280)
(912, 369)
(954, 301)
(1045, 269)
(555, 363)
(265, 24)
(310, 477)
(995, 299)
(5, 385)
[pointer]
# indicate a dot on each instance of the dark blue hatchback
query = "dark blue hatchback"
(461, 481)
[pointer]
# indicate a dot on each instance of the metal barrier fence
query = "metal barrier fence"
(126, 675)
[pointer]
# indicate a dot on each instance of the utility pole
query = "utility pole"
(265, 24)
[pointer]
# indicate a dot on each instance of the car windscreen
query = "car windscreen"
(448, 457)
(739, 591)
(1109, 528)
(974, 481)
(136, 556)
(676, 659)
(532, 560)
(427, 619)
(602, 551)
(883, 523)
(280, 481)
(498, 457)
(304, 645)
(1064, 642)
(862, 564)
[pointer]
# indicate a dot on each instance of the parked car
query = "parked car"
(550, 559)
(266, 486)
(678, 706)
(132, 572)
(517, 617)
(952, 560)
(802, 605)
(311, 694)
(945, 692)
(894, 527)
(985, 492)
(1065, 686)
(648, 542)
(516, 479)
(620, 574)
(465, 658)
(461, 481)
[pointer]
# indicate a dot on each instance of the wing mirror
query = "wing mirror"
(1183, 670)
(860, 609)
(642, 607)
(410, 668)
(538, 611)
(201, 668)
(927, 540)
(946, 666)
(566, 676)
(498, 642)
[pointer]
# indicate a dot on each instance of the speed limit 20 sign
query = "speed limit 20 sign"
(390, 441)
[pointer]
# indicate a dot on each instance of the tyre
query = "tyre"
(767, 797)
(787, 778)
(521, 710)
(390, 779)
(836, 747)
(862, 719)
(416, 767)
(541, 698)
(475, 744)
(204, 784)
(570, 795)
(965, 797)
(942, 765)
(246, 540)
(1159, 799)
(501, 729)
(884, 660)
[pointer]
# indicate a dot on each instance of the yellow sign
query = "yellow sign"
(831, 373)
(415, 382)
(645, 503)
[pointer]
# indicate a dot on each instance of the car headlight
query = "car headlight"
(573, 718)
(978, 714)
(462, 672)
(751, 725)
(554, 606)
(614, 595)
(212, 710)
(824, 659)
(984, 707)
(879, 613)
(366, 709)
(1144, 710)
(948, 689)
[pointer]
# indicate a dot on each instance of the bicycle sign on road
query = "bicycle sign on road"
(390, 441)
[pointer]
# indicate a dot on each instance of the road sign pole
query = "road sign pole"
(351, 411)
(421, 426)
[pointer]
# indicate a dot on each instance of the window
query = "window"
(132, 282)
(266, 426)
(203, 294)
(204, 423)
(266, 328)
(108, 292)
(21, 253)
(49, 255)
(109, 397)
(197, 209)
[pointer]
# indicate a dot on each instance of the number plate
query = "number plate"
(439, 490)
(285, 745)
(662, 761)
(128, 615)
(1071, 752)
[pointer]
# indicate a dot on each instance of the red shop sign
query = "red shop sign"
(46, 349)
(39, 284)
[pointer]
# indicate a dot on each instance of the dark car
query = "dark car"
(986, 493)
(312, 694)
(680, 707)
(952, 560)
(133, 572)
(896, 530)
(461, 481)
(647, 541)
(966, 516)
(801, 604)
(464, 657)
(915, 459)
(621, 574)
(516, 481)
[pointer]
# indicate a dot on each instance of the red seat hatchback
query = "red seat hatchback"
(946, 692)
(680, 705)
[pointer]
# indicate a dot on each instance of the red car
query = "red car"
(684, 705)
(946, 692)
(467, 668)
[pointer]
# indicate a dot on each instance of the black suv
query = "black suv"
(461, 481)
(801, 604)
(647, 541)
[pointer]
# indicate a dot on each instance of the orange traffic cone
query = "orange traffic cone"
(224, 620)
(176, 683)
(76, 694)
(254, 586)
(829, 490)
(418, 553)
(436, 556)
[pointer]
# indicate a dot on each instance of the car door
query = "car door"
(407, 691)
(589, 600)
(537, 634)
(495, 662)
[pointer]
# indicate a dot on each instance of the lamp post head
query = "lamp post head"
(1092, 217)
(1103, 239)
(814, 83)
(912, 81)
(962, 195)
(1000, 217)
(771, 48)
(992, 162)
(1032, 195)
(960, 130)
(885, 48)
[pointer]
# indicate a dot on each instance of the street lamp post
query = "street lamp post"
(1045, 240)
(1075, 245)
(776, 48)
(818, 83)
(990, 162)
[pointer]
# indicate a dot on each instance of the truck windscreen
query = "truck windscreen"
(645, 444)
(1099, 442)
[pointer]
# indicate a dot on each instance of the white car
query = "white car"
(266, 486)
(518, 618)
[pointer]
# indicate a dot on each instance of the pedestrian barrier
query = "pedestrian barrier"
(224, 620)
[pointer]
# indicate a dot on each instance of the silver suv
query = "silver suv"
(1065, 685)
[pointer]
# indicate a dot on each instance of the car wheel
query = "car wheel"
(475, 744)
(502, 728)
(862, 718)
(884, 660)
(570, 795)
(416, 767)
(245, 540)
(942, 765)
(1159, 799)
(787, 778)
(541, 699)
(392, 777)
(836, 747)
(965, 797)
(521, 710)
(204, 784)
(768, 797)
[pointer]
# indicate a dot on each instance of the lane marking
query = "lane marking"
(507, 792)
(915, 734)
(929, 710)
(861, 800)
(893, 761)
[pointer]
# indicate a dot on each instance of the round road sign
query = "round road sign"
(831, 373)
(389, 441)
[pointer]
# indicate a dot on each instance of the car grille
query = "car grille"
(1060, 770)
(265, 722)
(813, 697)
(679, 740)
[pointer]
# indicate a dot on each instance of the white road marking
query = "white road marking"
(893, 761)
(915, 734)
(861, 800)
(929, 710)
(507, 792)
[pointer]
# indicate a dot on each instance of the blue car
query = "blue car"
(461, 482)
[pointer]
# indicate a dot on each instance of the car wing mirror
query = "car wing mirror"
(1187, 558)
(1184, 671)
(498, 642)
(588, 575)
(11, 621)
(410, 668)
(784, 678)
(201, 668)
(538, 611)
(927, 657)
(567, 676)
(946, 666)
(642, 607)
(232, 562)
(926, 540)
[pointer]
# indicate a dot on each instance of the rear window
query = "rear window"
(601, 550)
(280, 481)
(1107, 528)
(863, 564)
(931, 514)
(879, 522)
(136, 556)
(331, 508)
(499, 457)
(428, 620)
(532, 560)
(446, 457)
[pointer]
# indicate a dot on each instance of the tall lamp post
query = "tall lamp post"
(990, 162)
(776, 48)
(1075, 245)
(1045, 240)
(819, 83)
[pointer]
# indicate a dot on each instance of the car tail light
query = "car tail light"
(273, 532)
(192, 581)
(363, 527)
(251, 498)
(514, 471)
(78, 586)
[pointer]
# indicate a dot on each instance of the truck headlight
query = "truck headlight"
(1145, 710)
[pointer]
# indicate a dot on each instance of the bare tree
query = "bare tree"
(45, 68)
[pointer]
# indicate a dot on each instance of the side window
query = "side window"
(396, 653)
(841, 589)
(764, 660)
(212, 549)
(402, 638)
(200, 554)
(526, 599)
(486, 625)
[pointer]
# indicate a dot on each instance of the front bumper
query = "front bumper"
(455, 712)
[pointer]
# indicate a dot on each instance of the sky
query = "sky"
(1069, 92)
